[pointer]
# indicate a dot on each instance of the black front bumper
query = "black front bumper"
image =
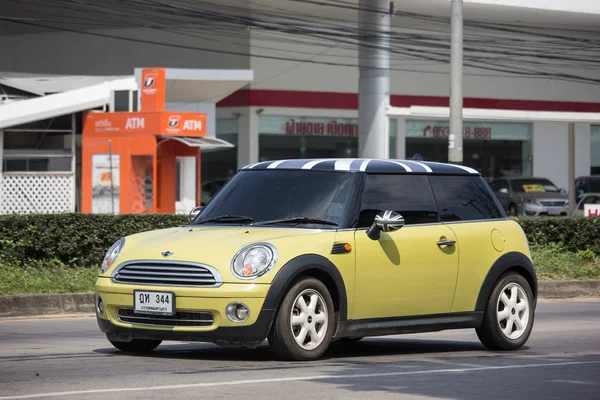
(251, 334)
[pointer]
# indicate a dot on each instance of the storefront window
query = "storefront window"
(595, 149)
(493, 148)
(219, 165)
(286, 137)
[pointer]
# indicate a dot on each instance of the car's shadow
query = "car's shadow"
(368, 347)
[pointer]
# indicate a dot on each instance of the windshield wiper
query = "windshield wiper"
(299, 220)
(228, 218)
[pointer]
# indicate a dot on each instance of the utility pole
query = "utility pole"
(455, 138)
(571, 185)
(374, 78)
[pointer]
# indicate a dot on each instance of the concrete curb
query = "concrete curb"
(46, 304)
(568, 289)
(83, 303)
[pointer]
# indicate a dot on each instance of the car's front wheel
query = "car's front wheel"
(304, 324)
(509, 314)
(136, 345)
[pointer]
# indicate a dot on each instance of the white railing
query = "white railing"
(37, 192)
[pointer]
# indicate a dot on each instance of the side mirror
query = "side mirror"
(563, 191)
(194, 213)
(386, 221)
(504, 190)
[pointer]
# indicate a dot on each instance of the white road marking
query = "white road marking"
(299, 378)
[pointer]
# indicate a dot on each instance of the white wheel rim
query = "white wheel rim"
(309, 319)
(512, 311)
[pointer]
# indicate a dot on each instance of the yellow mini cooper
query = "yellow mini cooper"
(303, 253)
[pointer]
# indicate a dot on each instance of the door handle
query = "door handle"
(446, 242)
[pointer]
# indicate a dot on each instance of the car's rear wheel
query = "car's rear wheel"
(304, 324)
(136, 345)
(509, 314)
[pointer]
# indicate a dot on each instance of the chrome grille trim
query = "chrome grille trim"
(557, 203)
(166, 273)
(181, 318)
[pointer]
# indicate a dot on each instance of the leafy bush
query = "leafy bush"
(79, 240)
(574, 234)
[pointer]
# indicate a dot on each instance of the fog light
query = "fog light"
(237, 312)
(99, 306)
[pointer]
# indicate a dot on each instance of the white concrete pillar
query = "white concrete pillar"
(401, 138)
(550, 157)
(583, 155)
(374, 81)
(248, 145)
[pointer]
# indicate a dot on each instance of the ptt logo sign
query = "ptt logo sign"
(176, 124)
(174, 121)
(150, 80)
(149, 84)
(135, 123)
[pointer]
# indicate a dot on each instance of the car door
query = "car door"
(409, 271)
(468, 208)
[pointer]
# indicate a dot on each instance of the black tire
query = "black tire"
(281, 337)
(136, 345)
(490, 333)
(512, 210)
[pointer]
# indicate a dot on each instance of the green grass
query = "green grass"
(46, 279)
(552, 262)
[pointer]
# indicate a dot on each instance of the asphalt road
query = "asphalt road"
(71, 359)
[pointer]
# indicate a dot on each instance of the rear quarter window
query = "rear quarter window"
(464, 198)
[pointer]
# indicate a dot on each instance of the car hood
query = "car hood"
(217, 245)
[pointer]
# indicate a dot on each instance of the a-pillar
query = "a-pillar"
(374, 80)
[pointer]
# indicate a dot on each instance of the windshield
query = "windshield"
(255, 197)
(534, 186)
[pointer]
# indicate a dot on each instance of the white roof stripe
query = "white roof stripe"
(423, 165)
(343, 165)
(364, 164)
(275, 164)
(406, 167)
(311, 164)
(468, 169)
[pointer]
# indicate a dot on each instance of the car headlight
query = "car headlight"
(111, 255)
(530, 201)
(254, 260)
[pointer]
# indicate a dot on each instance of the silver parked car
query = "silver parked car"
(530, 196)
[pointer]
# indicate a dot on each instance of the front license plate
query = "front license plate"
(154, 303)
(554, 211)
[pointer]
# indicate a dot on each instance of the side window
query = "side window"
(464, 198)
(409, 195)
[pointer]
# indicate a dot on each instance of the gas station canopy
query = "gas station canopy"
(201, 85)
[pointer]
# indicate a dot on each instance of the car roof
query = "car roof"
(365, 165)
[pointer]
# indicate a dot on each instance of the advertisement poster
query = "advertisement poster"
(105, 184)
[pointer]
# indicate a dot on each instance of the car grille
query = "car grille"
(170, 274)
(560, 203)
(180, 318)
